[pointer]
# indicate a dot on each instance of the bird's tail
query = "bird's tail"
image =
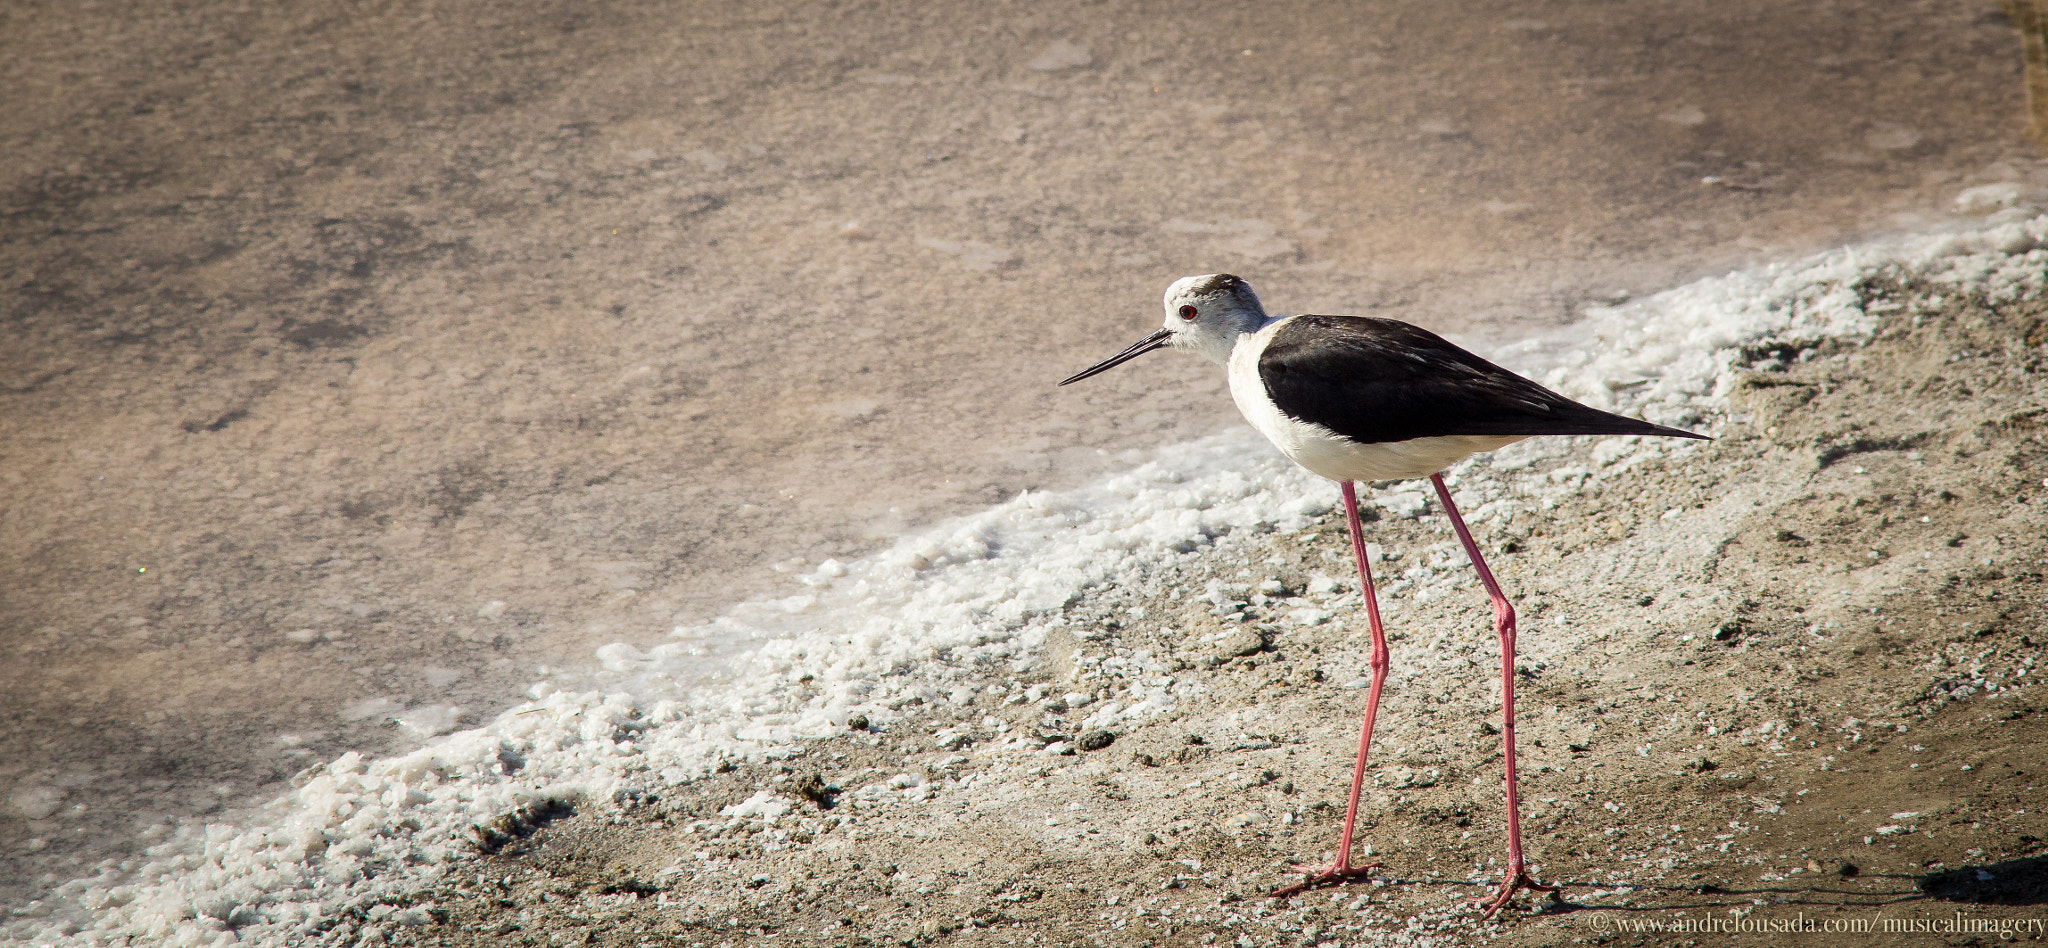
(1593, 421)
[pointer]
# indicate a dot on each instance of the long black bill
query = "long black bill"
(1158, 340)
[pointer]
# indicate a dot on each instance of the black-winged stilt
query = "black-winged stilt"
(1356, 398)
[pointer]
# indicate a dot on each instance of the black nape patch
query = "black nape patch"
(1216, 283)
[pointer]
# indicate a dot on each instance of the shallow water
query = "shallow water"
(368, 363)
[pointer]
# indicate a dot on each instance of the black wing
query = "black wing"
(1377, 380)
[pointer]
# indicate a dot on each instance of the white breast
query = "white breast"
(1328, 453)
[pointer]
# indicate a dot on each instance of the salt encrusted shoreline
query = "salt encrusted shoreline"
(1085, 596)
(1748, 714)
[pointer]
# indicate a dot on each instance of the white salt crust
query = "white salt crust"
(361, 838)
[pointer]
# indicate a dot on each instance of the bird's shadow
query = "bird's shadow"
(2013, 882)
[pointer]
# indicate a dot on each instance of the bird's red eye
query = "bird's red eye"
(1187, 312)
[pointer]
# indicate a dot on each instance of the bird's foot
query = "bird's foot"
(1336, 873)
(1491, 904)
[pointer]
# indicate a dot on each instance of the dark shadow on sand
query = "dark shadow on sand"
(2013, 882)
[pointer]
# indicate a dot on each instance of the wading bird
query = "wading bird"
(1356, 398)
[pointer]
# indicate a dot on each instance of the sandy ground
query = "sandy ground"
(360, 361)
(1811, 696)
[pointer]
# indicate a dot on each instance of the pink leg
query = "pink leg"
(1504, 624)
(1342, 869)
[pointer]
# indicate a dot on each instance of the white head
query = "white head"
(1207, 313)
(1204, 314)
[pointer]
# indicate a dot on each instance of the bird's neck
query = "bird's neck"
(1217, 346)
